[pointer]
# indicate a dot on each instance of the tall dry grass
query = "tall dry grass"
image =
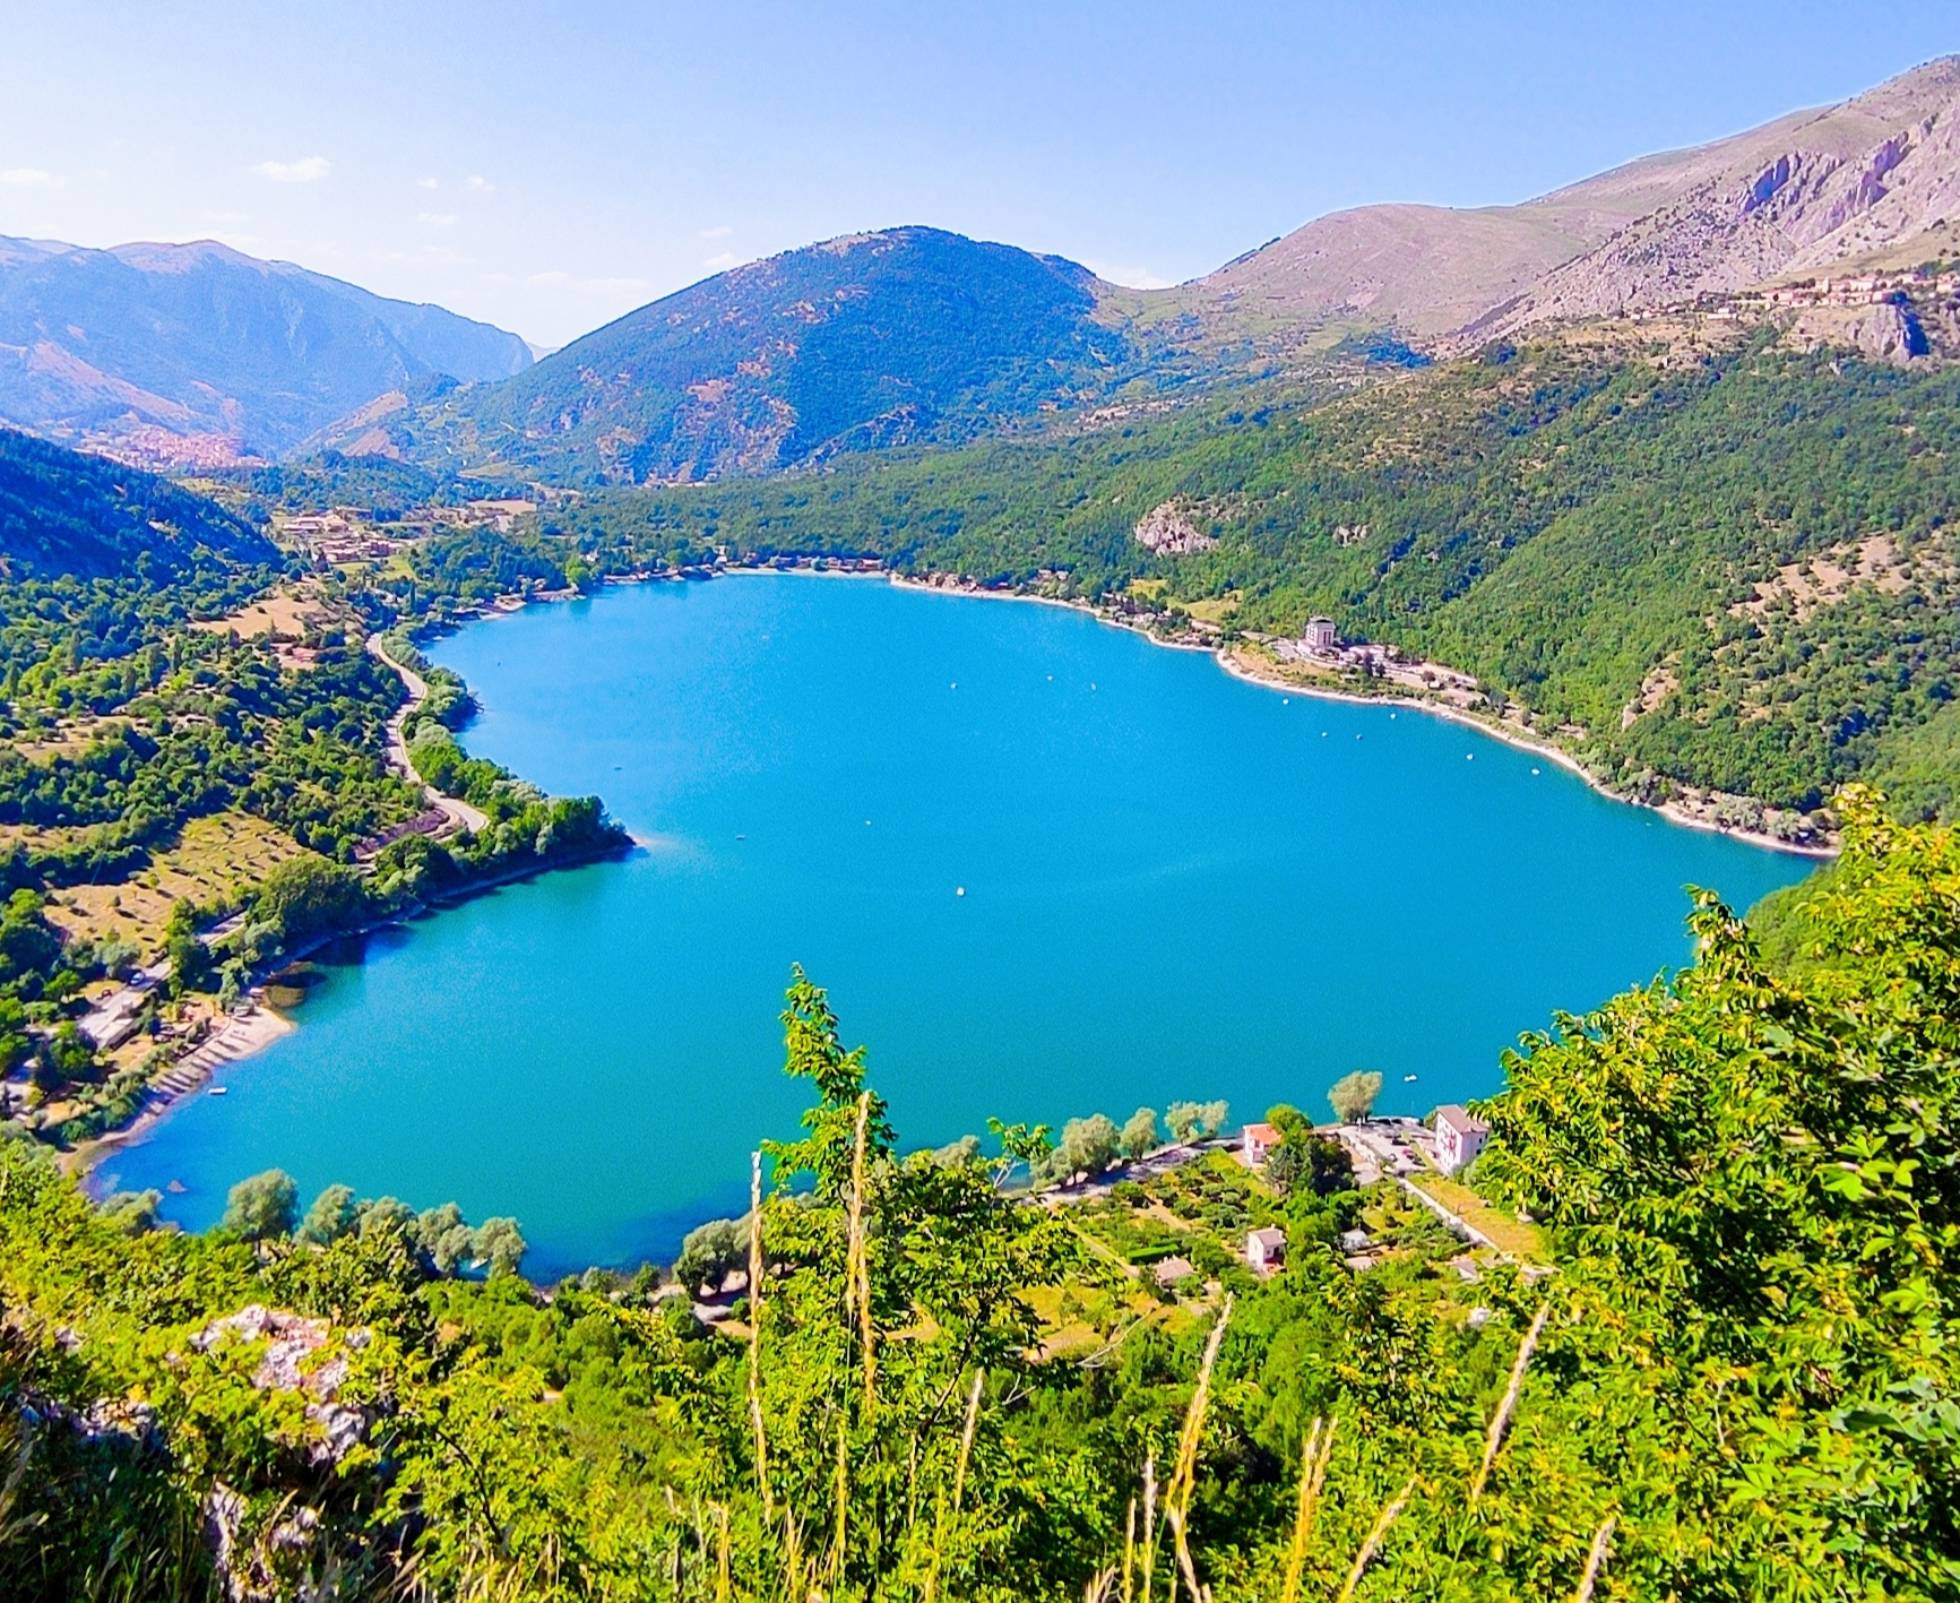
(1377, 1534)
(1318, 1449)
(1184, 1473)
(1595, 1559)
(1500, 1422)
(755, 1336)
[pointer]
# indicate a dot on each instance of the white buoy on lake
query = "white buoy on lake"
(959, 890)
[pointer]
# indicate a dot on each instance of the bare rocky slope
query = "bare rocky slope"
(1797, 197)
(1802, 193)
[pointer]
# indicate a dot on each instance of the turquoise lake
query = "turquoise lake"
(1176, 886)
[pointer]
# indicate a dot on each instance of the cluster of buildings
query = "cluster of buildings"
(350, 534)
(1857, 289)
(1320, 642)
(1450, 1142)
(341, 535)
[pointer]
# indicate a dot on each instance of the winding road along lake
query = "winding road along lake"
(1176, 885)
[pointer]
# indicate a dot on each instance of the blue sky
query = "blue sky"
(549, 172)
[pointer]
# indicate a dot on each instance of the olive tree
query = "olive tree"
(501, 1245)
(332, 1215)
(265, 1206)
(1088, 1146)
(710, 1251)
(1139, 1133)
(1353, 1095)
(1190, 1121)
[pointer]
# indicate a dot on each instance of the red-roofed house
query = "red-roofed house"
(1459, 1136)
(1256, 1140)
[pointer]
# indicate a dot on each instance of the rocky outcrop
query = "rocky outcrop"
(1172, 528)
(1887, 333)
(303, 1355)
(1805, 195)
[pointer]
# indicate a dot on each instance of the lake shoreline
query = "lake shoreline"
(249, 1031)
(948, 584)
(361, 1018)
(1264, 679)
(250, 1036)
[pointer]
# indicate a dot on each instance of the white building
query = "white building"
(1265, 1250)
(1256, 1140)
(1460, 1136)
(1320, 635)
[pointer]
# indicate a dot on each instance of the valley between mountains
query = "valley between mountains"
(563, 1243)
(1651, 473)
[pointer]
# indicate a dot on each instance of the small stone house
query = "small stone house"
(1171, 1272)
(1320, 635)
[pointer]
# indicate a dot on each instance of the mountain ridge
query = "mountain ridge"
(196, 354)
(916, 336)
(899, 336)
(1443, 261)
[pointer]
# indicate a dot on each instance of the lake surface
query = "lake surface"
(1176, 886)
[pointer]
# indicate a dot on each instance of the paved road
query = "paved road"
(460, 813)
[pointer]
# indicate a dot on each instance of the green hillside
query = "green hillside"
(1737, 572)
(164, 755)
(64, 513)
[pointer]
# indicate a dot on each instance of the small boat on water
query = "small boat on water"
(218, 1090)
(1408, 1079)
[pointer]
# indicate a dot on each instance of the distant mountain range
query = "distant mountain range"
(182, 355)
(914, 335)
(1804, 193)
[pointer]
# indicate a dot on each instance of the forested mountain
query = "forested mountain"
(914, 335)
(63, 513)
(867, 341)
(198, 355)
(195, 354)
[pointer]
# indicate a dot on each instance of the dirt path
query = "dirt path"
(461, 814)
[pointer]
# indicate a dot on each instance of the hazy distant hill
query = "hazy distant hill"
(912, 334)
(196, 354)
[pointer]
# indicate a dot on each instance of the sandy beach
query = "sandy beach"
(248, 1031)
